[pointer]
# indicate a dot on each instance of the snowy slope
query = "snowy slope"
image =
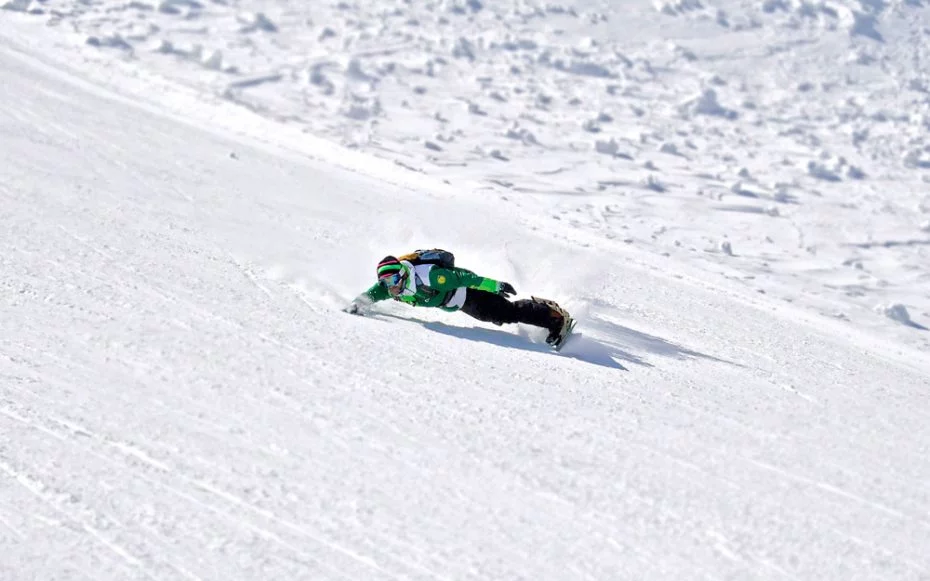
(181, 398)
(780, 144)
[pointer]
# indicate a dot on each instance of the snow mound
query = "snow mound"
(706, 103)
(897, 312)
(15, 5)
(257, 21)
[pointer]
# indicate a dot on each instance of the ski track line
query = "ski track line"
(511, 477)
(37, 487)
(7, 525)
(170, 295)
(838, 492)
(881, 549)
(233, 499)
(649, 557)
(519, 480)
(412, 444)
(748, 559)
(147, 284)
(232, 518)
(302, 296)
(133, 451)
(87, 244)
(249, 274)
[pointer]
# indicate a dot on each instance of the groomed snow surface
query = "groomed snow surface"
(181, 397)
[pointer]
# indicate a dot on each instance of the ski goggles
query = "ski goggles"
(394, 283)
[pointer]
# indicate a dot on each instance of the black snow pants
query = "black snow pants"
(496, 309)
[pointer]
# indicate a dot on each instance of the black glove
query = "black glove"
(506, 290)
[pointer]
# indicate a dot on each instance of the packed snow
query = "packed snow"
(730, 197)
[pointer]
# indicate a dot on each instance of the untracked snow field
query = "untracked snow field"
(729, 202)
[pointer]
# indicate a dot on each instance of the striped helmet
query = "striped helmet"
(389, 266)
(392, 274)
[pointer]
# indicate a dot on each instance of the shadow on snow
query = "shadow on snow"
(615, 343)
(578, 347)
(626, 341)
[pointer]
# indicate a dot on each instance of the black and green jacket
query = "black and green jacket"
(435, 286)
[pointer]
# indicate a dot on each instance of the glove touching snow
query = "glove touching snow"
(359, 306)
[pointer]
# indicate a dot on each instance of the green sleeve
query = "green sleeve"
(447, 279)
(377, 293)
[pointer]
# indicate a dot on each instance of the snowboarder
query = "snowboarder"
(429, 278)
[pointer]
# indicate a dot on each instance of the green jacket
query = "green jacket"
(438, 289)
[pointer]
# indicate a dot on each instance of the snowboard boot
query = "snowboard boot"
(555, 329)
(558, 317)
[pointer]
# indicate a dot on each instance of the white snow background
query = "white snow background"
(733, 197)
